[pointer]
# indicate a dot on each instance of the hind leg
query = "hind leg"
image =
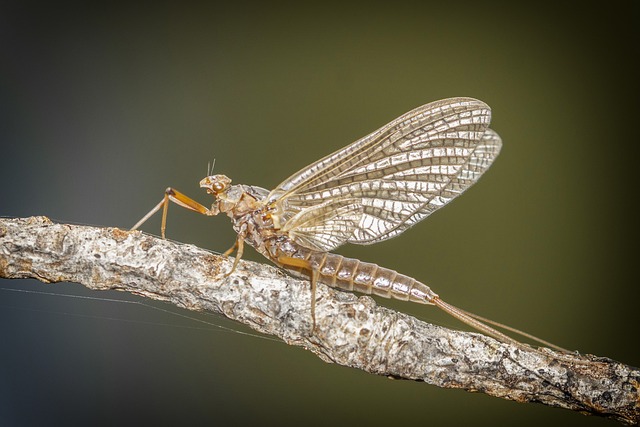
(286, 261)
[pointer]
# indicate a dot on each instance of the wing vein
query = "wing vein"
(387, 181)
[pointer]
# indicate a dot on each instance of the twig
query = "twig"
(351, 330)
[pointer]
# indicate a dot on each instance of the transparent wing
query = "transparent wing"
(384, 183)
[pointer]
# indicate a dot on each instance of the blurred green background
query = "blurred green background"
(103, 106)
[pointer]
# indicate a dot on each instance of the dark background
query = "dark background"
(103, 106)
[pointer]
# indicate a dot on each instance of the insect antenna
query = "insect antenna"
(210, 166)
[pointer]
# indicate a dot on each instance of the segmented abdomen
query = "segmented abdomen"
(354, 275)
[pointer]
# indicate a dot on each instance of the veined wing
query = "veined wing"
(387, 181)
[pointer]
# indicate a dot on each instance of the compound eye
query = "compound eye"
(218, 187)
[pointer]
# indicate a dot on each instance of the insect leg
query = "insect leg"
(239, 244)
(306, 265)
(314, 281)
(231, 249)
(173, 195)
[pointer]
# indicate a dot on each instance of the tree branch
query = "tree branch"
(351, 330)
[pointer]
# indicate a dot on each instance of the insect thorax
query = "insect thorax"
(246, 208)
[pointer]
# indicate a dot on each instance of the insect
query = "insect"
(369, 191)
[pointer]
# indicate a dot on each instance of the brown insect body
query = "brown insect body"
(253, 222)
(367, 192)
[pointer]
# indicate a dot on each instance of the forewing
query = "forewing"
(375, 225)
(393, 177)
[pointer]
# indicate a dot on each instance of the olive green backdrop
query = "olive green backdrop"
(104, 106)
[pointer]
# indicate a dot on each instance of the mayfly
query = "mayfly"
(367, 192)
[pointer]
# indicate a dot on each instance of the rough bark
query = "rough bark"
(351, 330)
